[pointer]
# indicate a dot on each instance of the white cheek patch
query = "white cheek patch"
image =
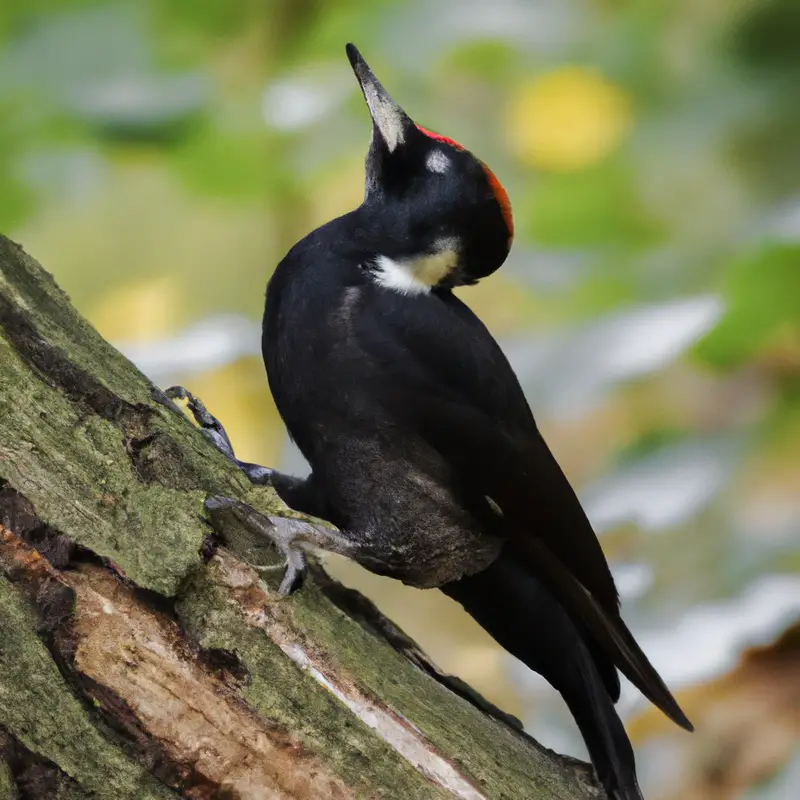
(398, 275)
(418, 275)
(437, 161)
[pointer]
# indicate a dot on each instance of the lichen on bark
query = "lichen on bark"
(121, 608)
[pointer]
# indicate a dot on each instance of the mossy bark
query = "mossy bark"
(142, 658)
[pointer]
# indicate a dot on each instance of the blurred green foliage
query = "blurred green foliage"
(763, 293)
(160, 157)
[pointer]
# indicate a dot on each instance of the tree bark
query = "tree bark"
(140, 657)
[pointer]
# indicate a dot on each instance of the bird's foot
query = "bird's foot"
(210, 426)
(285, 534)
(214, 431)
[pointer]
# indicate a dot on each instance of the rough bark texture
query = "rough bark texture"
(142, 658)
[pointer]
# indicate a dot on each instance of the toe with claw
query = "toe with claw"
(284, 537)
(210, 426)
(214, 431)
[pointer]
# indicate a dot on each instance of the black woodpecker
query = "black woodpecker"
(424, 452)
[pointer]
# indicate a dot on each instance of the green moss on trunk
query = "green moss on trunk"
(8, 789)
(106, 461)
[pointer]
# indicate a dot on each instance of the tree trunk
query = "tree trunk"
(140, 657)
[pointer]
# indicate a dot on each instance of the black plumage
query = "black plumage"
(423, 449)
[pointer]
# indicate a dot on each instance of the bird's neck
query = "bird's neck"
(389, 255)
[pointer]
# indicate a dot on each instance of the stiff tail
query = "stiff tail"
(608, 631)
(522, 615)
(602, 730)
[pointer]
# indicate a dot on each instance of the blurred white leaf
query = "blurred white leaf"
(210, 344)
(782, 223)
(545, 270)
(567, 373)
(67, 174)
(664, 489)
(706, 643)
(139, 100)
(63, 50)
(632, 580)
(98, 62)
(419, 33)
(297, 101)
(708, 639)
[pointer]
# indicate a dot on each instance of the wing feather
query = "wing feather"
(448, 382)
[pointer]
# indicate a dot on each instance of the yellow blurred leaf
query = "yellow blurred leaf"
(141, 225)
(338, 190)
(136, 312)
(567, 119)
(500, 302)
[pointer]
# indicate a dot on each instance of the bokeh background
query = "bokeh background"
(160, 158)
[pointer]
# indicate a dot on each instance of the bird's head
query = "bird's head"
(440, 214)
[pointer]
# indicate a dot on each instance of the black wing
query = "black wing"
(449, 382)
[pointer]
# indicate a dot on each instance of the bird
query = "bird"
(424, 452)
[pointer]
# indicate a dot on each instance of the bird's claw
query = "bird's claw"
(209, 425)
(177, 393)
(280, 536)
(214, 431)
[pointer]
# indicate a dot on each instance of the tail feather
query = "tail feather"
(609, 632)
(522, 615)
(602, 730)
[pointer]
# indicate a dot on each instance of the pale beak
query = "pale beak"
(391, 122)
